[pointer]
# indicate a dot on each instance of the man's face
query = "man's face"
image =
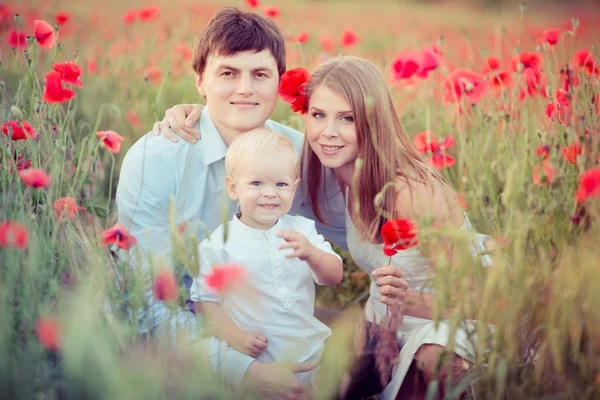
(240, 90)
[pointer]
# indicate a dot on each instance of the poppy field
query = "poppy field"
(505, 103)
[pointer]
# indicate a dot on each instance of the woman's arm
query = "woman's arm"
(179, 121)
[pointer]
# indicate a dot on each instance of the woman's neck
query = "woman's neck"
(344, 175)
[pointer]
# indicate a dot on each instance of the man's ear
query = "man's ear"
(199, 84)
(231, 189)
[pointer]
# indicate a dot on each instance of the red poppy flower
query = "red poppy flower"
(527, 61)
(405, 65)
(164, 287)
(20, 130)
(398, 234)
(69, 72)
(62, 18)
(571, 152)
(301, 38)
(13, 235)
(66, 207)
(133, 119)
(48, 332)
(183, 50)
(252, 3)
(111, 140)
(501, 79)
(490, 64)
(130, 16)
(44, 34)
(270, 11)
(153, 75)
(426, 143)
(544, 173)
(544, 151)
(149, 13)
(464, 82)
(291, 88)
(550, 36)
(429, 61)
(17, 39)
(35, 178)
(118, 235)
(589, 185)
(583, 59)
(21, 165)
(92, 66)
(225, 277)
(54, 92)
(462, 200)
(327, 43)
(349, 38)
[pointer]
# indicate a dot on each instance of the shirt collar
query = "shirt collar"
(213, 145)
(253, 232)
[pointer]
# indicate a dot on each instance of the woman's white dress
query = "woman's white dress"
(414, 332)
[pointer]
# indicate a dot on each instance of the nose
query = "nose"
(330, 130)
(244, 86)
(269, 194)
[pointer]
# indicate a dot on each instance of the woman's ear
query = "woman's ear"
(231, 189)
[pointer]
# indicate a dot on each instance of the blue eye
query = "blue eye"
(318, 115)
(282, 184)
(348, 118)
(255, 183)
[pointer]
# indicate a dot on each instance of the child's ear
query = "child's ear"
(295, 186)
(231, 189)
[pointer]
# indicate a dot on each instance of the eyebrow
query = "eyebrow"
(235, 69)
(339, 112)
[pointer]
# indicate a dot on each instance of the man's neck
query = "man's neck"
(228, 134)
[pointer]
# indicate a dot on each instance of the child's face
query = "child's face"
(265, 188)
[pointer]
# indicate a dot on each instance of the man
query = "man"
(238, 60)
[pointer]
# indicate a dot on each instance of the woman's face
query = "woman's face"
(330, 129)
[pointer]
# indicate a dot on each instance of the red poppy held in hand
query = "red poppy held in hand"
(44, 34)
(225, 277)
(35, 178)
(398, 234)
(164, 287)
(118, 235)
(66, 207)
(21, 130)
(291, 88)
(589, 185)
(13, 235)
(48, 332)
(69, 72)
(54, 92)
(111, 140)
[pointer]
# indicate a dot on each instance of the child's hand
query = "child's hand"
(303, 249)
(251, 344)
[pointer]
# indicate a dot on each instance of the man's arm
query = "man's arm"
(146, 185)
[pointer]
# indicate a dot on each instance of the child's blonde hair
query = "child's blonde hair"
(258, 142)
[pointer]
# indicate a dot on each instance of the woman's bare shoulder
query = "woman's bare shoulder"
(417, 199)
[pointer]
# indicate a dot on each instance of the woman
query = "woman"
(350, 122)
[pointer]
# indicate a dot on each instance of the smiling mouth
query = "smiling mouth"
(243, 103)
(269, 206)
(331, 149)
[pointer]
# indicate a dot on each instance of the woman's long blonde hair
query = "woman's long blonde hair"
(386, 152)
